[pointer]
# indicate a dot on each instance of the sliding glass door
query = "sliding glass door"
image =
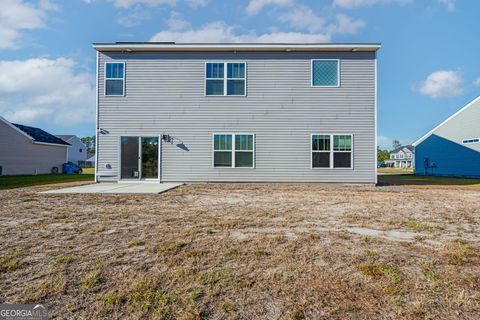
(149, 157)
(129, 158)
(139, 158)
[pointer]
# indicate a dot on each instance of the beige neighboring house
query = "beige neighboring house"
(403, 157)
(29, 150)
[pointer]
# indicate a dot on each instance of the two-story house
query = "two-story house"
(402, 157)
(236, 112)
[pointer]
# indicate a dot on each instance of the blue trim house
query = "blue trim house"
(453, 147)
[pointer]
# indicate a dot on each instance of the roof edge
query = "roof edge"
(428, 134)
(8, 123)
(171, 46)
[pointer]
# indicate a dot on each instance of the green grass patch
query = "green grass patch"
(88, 170)
(11, 182)
(422, 180)
(380, 270)
(66, 259)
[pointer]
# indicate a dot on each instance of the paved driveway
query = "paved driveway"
(105, 187)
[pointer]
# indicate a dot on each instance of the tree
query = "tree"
(382, 155)
(89, 142)
(396, 144)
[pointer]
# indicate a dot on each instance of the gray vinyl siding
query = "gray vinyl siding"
(20, 156)
(165, 94)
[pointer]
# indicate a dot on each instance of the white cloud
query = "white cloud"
(46, 89)
(302, 17)
(345, 25)
(348, 4)
(477, 82)
(450, 4)
(255, 6)
(17, 16)
(219, 31)
(176, 22)
(197, 3)
(151, 3)
(133, 18)
(443, 83)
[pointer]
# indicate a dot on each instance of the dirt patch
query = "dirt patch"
(244, 251)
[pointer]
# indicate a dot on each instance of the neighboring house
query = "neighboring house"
(29, 150)
(90, 162)
(403, 157)
(78, 152)
(453, 147)
(236, 112)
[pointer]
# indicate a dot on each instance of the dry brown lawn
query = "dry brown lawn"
(245, 251)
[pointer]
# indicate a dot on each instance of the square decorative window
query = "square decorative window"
(225, 79)
(325, 73)
(332, 151)
(115, 79)
(233, 150)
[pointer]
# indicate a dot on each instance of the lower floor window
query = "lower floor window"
(233, 150)
(332, 151)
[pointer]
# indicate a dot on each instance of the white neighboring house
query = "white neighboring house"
(403, 157)
(29, 150)
(78, 151)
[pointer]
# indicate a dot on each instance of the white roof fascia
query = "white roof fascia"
(233, 46)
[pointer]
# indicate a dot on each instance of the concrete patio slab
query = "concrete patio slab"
(134, 188)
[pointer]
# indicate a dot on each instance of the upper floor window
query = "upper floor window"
(332, 151)
(225, 79)
(467, 141)
(325, 73)
(233, 150)
(115, 79)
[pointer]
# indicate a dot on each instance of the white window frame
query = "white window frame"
(338, 72)
(225, 80)
(331, 151)
(469, 141)
(233, 149)
(105, 79)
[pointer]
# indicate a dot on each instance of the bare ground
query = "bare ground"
(245, 251)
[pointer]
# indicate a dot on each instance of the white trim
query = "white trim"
(338, 73)
(416, 143)
(332, 151)
(376, 125)
(51, 144)
(354, 47)
(225, 79)
(96, 118)
(140, 179)
(233, 150)
(105, 78)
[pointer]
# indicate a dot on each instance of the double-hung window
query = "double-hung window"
(332, 151)
(225, 79)
(233, 150)
(325, 73)
(115, 79)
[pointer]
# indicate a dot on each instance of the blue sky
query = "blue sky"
(427, 68)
